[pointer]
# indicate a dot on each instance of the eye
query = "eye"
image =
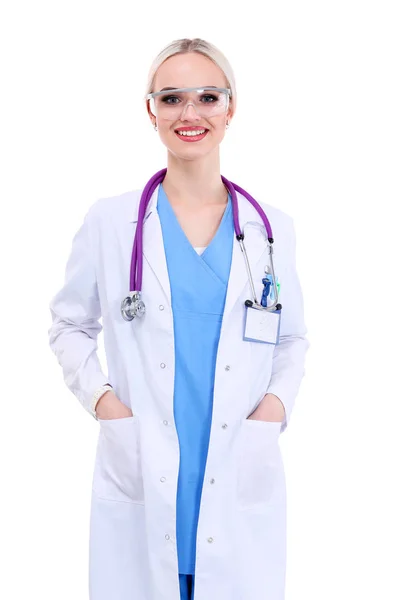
(209, 98)
(170, 99)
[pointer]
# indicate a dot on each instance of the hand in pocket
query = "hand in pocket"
(270, 409)
(110, 407)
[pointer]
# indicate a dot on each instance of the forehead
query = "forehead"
(188, 70)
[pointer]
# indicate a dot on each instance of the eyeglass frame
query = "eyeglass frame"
(190, 89)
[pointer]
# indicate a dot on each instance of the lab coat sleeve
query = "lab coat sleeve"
(289, 355)
(75, 312)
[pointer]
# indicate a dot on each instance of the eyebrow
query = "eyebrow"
(174, 88)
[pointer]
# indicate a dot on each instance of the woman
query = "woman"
(188, 496)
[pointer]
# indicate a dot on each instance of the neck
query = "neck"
(195, 182)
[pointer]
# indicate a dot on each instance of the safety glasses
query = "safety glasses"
(172, 104)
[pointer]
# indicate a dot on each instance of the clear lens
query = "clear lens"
(171, 105)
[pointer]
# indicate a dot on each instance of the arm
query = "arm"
(75, 312)
(289, 354)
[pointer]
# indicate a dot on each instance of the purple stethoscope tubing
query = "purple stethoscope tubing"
(136, 269)
(136, 272)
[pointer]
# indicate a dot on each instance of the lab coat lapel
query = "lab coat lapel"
(153, 246)
(255, 241)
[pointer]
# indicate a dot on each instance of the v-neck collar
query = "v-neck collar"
(225, 216)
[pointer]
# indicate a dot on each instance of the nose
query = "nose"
(189, 113)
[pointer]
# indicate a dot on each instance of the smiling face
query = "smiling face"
(190, 70)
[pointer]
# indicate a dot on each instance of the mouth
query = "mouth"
(191, 134)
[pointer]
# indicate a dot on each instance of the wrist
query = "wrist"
(98, 395)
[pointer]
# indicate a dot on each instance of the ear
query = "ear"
(230, 112)
(152, 117)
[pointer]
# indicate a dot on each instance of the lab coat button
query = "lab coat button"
(210, 540)
(224, 426)
(162, 479)
(167, 536)
(161, 307)
(165, 422)
(212, 480)
(227, 368)
(162, 365)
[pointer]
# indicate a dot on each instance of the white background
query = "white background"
(317, 134)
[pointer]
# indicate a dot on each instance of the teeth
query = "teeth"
(191, 133)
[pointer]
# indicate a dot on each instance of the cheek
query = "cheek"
(167, 136)
(218, 135)
(217, 130)
(218, 123)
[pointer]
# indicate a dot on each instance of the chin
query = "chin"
(190, 151)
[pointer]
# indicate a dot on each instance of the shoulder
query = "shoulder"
(282, 225)
(122, 206)
(276, 215)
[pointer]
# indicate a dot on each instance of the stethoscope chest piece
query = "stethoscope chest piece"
(132, 306)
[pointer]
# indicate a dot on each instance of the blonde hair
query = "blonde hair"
(186, 45)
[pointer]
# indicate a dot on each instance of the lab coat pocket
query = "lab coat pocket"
(259, 462)
(118, 473)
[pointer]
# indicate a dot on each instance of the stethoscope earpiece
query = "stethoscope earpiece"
(250, 304)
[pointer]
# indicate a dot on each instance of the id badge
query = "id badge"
(262, 326)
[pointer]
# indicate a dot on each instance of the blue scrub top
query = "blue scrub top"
(198, 291)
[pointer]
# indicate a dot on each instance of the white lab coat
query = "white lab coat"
(241, 537)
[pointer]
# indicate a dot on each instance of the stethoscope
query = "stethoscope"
(133, 306)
